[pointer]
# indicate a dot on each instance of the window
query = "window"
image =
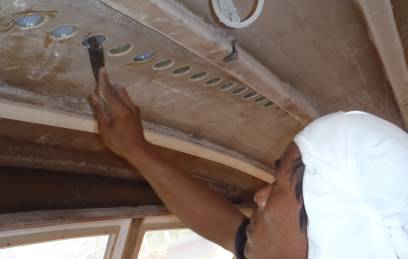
(87, 240)
(90, 237)
(79, 248)
(179, 244)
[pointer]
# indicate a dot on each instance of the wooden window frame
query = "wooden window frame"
(116, 229)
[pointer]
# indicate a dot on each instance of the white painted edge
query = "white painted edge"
(121, 239)
(39, 115)
(380, 19)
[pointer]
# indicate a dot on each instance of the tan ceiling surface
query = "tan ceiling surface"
(57, 74)
(320, 47)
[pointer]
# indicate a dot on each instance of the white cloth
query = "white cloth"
(355, 187)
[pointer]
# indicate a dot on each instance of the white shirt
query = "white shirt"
(355, 187)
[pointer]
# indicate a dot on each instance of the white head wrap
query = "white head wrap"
(355, 187)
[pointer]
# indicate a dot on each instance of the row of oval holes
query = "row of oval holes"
(68, 30)
(184, 70)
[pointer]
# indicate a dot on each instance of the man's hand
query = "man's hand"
(198, 207)
(121, 127)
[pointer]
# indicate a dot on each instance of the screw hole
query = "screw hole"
(199, 76)
(268, 104)
(249, 96)
(120, 49)
(260, 99)
(228, 86)
(239, 91)
(163, 64)
(181, 71)
(213, 81)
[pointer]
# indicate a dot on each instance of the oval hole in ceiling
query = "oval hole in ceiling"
(144, 57)
(163, 64)
(120, 49)
(64, 31)
(249, 96)
(239, 91)
(260, 99)
(268, 104)
(213, 81)
(182, 70)
(99, 40)
(198, 76)
(227, 86)
(30, 21)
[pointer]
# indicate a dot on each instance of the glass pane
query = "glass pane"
(179, 244)
(75, 248)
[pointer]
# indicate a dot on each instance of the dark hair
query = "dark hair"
(297, 177)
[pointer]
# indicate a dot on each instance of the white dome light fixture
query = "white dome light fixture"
(227, 13)
(30, 21)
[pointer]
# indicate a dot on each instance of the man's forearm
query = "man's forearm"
(199, 207)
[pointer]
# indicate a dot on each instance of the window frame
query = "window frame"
(116, 229)
(155, 223)
(133, 222)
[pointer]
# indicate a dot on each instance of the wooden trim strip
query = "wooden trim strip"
(40, 115)
(34, 219)
(116, 229)
(130, 250)
(381, 23)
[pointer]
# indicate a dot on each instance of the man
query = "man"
(354, 202)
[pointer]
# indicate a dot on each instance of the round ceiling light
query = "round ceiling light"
(163, 64)
(64, 31)
(144, 57)
(30, 21)
(120, 49)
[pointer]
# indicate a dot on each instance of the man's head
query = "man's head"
(278, 226)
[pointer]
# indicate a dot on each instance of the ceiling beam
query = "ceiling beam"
(154, 216)
(174, 21)
(384, 33)
(40, 115)
(48, 190)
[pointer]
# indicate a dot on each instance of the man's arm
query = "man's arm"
(200, 208)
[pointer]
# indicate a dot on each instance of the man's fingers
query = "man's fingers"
(99, 108)
(125, 98)
(109, 93)
(103, 76)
